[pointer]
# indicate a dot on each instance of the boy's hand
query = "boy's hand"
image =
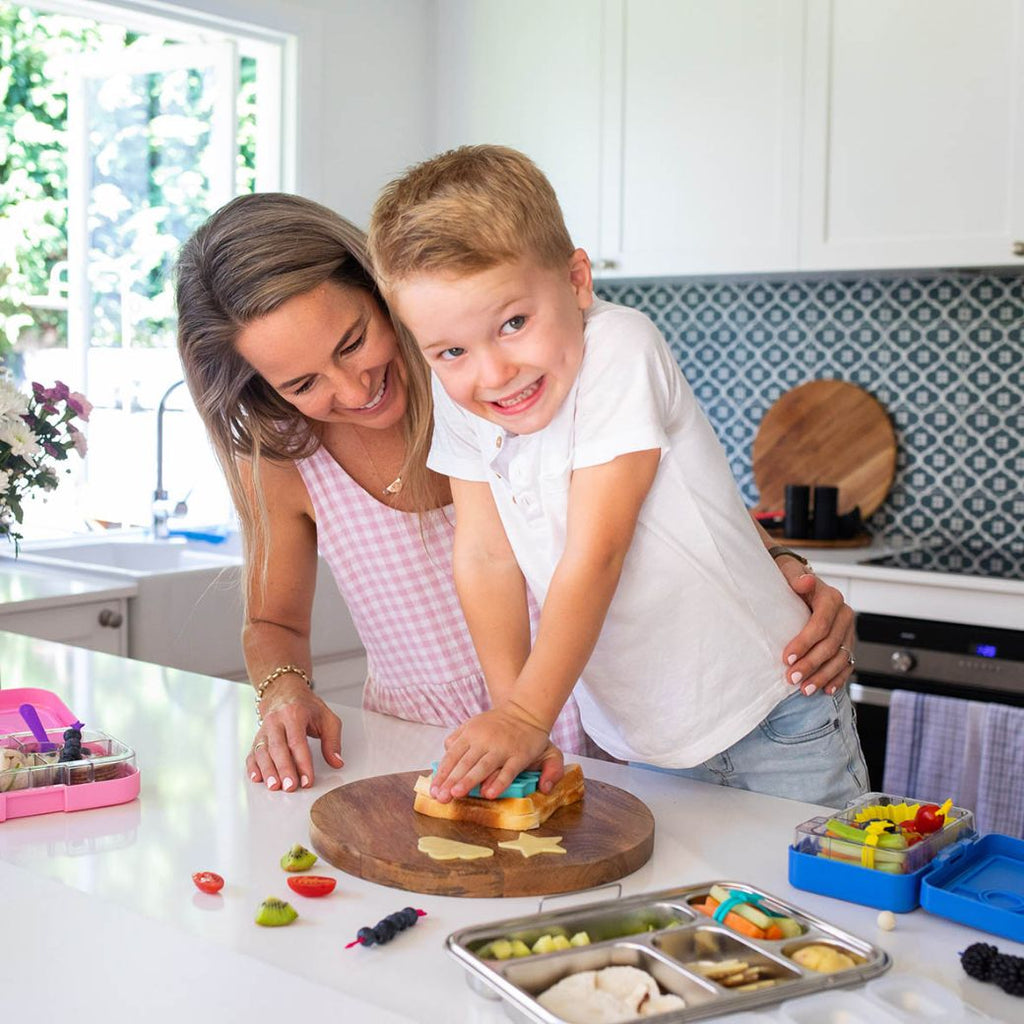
(490, 750)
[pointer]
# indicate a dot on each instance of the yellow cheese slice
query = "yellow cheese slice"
(529, 845)
(439, 848)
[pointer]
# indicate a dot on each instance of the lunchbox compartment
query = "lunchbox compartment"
(857, 847)
(535, 975)
(769, 906)
(609, 924)
(698, 948)
(827, 944)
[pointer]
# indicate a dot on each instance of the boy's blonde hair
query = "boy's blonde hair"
(464, 211)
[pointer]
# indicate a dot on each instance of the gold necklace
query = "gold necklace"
(392, 488)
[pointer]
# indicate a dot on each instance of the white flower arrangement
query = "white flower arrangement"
(36, 432)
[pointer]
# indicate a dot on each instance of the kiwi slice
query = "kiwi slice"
(272, 913)
(298, 858)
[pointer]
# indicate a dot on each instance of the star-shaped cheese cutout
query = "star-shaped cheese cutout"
(439, 848)
(530, 845)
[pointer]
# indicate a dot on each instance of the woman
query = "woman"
(304, 383)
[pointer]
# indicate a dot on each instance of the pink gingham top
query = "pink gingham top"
(393, 570)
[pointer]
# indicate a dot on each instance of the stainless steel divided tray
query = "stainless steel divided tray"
(664, 934)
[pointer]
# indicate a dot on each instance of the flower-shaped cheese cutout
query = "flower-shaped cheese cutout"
(530, 845)
(439, 848)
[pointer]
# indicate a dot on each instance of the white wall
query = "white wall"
(366, 91)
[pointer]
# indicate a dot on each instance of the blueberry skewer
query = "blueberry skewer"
(386, 929)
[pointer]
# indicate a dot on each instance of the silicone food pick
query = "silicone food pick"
(31, 716)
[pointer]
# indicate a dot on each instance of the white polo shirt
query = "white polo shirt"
(690, 656)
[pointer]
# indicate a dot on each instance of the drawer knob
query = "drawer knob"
(111, 619)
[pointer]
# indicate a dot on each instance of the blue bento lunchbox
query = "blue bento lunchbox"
(954, 872)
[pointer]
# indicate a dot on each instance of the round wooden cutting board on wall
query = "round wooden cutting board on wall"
(826, 432)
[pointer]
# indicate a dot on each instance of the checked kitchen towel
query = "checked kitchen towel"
(972, 752)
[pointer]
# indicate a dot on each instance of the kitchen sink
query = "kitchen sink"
(132, 557)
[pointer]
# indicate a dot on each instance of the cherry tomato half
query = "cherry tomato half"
(208, 881)
(311, 885)
(928, 818)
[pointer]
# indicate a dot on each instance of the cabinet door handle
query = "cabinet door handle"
(605, 264)
(111, 619)
(1018, 248)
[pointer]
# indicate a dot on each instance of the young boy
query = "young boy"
(582, 467)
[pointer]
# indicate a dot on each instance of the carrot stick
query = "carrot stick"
(732, 919)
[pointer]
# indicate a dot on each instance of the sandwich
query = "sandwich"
(516, 813)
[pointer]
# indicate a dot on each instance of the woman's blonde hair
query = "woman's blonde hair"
(464, 211)
(248, 258)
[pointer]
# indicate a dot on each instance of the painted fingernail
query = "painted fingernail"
(287, 784)
(791, 659)
(271, 782)
(809, 689)
(796, 677)
(254, 776)
(336, 759)
(304, 781)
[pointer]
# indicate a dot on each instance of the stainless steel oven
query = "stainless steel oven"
(951, 660)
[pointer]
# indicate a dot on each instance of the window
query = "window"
(123, 132)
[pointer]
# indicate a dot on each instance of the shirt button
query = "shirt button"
(497, 441)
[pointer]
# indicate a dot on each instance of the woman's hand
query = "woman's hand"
(280, 752)
(820, 656)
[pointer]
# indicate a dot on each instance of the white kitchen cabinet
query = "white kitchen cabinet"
(702, 136)
(96, 625)
(914, 133)
(528, 75)
(690, 137)
(670, 130)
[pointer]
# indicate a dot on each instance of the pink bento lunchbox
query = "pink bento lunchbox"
(33, 778)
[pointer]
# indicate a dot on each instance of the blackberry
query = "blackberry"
(1007, 972)
(977, 960)
(72, 734)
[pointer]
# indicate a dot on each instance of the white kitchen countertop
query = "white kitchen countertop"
(105, 917)
(25, 587)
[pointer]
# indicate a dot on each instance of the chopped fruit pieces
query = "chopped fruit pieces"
(503, 949)
(929, 818)
(298, 858)
(208, 881)
(312, 885)
(273, 913)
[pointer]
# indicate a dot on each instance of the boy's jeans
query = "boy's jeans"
(806, 749)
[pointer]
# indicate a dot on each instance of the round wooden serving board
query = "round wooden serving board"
(369, 829)
(826, 432)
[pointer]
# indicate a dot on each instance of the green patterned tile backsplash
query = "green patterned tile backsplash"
(944, 354)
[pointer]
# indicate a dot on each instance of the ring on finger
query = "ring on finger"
(256, 746)
(850, 659)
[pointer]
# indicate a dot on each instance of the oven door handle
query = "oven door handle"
(873, 695)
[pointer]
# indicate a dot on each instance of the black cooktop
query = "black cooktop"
(1003, 563)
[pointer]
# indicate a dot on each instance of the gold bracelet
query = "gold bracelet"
(281, 670)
